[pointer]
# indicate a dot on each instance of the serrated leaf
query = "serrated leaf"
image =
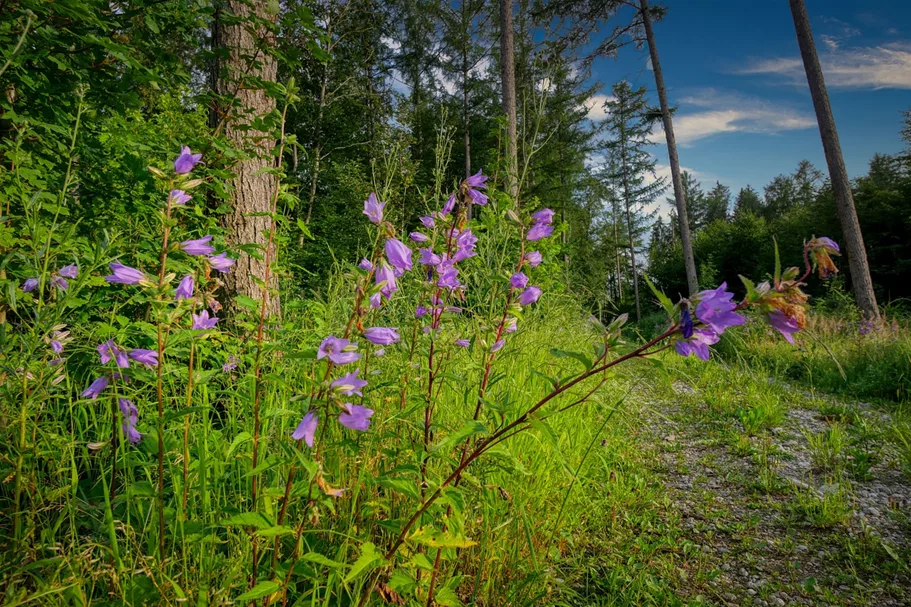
(262, 589)
(586, 361)
(468, 429)
(275, 531)
(428, 536)
(256, 520)
(319, 559)
(369, 559)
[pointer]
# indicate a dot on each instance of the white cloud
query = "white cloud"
(878, 67)
(731, 113)
(393, 44)
(595, 107)
(831, 42)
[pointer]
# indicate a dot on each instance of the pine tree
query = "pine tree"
(748, 201)
(717, 204)
(630, 165)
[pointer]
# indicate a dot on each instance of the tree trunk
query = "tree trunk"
(253, 190)
(632, 240)
(508, 83)
(466, 109)
(688, 260)
(617, 252)
(841, 185)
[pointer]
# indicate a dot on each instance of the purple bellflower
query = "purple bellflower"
(697, 344)
(202, 321)
(385, 274)
(96, 387)
(398, 254)
(198, 246)
(784, 324)
(418, 237)
(306, 429)
(365, 265)
(340, 351)
(716, 309)
(185, 288)
(355, 417)
(428, 222)
(230, 364)
(71, 271)
(186, 161)
(145, 357)
(124, 274)
(29, 285)
(530, 296)
(533, 258)
(475, 183)
(498, 345)
(130, 417)
(518, 280)
(382, 336)
(373, 208)
(539, 231)
(220, 262)
(179, 197)
(350, 384)
(109, 350)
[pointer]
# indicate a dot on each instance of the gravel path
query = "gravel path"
(781, 521)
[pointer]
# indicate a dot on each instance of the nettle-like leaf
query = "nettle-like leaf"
(430, 536)
(369, 559)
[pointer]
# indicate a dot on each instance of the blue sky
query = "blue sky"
(744, 111)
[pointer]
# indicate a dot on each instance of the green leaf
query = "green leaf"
(401, 485)
(259, 591)
(319, 559)
(777, 262)
(665, 301)
(245, 301)
(237, 442)
(369, 559)
(248, 519)
(275, 531)
(428, 536)
(545, 430)
(586, 361)
(470, 428)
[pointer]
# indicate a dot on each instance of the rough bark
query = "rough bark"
(508, 83)
(252, 190)
(685, 239)
(841, 185)
(629, 228)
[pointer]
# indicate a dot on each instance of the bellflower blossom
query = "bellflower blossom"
(60, 282)
(365, 265)
(381, 336)
(511, 325)
(373, 208)
(186, 161)
(29, 285)
(109, 350)
(418, 237)
(124, 274)
(230, 364)
(71, 271)
(697, 344)
(220, 262)
(130, 417)
(179, 197)
(529, 295)
(533, 259)
(686, 324)
(306, 429)
(420, 312)
(340, 351)
(185, 288)
(398, 254)
(355, 417)
(518, 280)
(463, 343)
(202, 322)
(539, 231)
(716, 309)
(350, 384)
(465, 243)
(376, 301)
(428, 222)
(385, 274)
(498, 345)
(145, 357)
(475, 183)
(198, 246)
(448, 207)
(784, 324)
(96, 387)
(428, 257)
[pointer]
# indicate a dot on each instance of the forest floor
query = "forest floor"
(756, 497)
(803, 505)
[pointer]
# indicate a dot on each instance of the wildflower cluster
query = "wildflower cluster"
(782, 302)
